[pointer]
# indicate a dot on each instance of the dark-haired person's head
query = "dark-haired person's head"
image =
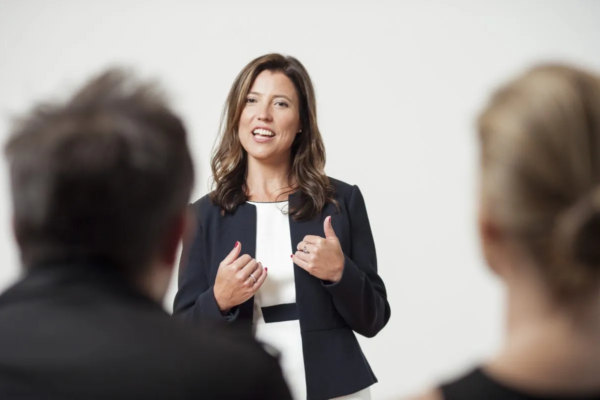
(540, 182)
(102, 178)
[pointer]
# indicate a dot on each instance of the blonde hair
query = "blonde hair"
(540, 154)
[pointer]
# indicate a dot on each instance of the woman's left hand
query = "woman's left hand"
(321, 257)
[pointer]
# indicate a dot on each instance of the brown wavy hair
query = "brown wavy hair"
(307, 174)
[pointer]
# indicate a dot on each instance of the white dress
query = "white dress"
(273, 250)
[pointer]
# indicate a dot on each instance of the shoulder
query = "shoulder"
(224, 339)
(340, 186)
(348, 195)
(198, 351)
(204, 207)
(226, 352)
(342, 189)
(235, 346)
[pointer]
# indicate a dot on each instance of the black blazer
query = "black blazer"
(78, 331)
(328, 313)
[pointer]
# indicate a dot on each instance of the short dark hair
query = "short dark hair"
(100, 176)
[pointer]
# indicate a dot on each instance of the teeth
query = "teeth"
(263, 132)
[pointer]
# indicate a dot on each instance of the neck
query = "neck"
(268, 181)
(532, 310)
(153, 283)
(548, 344)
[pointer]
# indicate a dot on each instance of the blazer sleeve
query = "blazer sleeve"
(360, 296)
(195, 299)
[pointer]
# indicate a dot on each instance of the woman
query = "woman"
(272, 200)
(540, 231)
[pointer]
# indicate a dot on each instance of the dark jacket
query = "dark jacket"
(477, 384)
(328, 313)
(80, 332)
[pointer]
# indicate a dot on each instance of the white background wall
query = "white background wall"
(398, 86)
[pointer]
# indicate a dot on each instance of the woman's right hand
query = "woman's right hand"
(234, 283)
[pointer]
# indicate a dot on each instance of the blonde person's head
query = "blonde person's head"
(540, 173)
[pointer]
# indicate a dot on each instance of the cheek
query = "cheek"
(244, 123)
(245, 119)
(245, 140)
(288, 130)
(291, 125)
(289, 139)
(242, 131)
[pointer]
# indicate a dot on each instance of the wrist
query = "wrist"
(222, 305)
(338, 276)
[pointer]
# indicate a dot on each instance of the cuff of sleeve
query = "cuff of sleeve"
(211, 309)
(350, 275)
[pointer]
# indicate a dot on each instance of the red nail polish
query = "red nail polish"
(266, 269)
(292, 256)
(236, 244)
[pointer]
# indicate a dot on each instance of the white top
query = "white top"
(273, 249)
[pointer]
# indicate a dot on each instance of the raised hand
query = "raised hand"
(238, 278)
(321, 257)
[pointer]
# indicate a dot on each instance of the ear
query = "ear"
(492, 241)
(180, 229)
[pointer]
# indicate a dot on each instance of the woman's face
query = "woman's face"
(271, 118)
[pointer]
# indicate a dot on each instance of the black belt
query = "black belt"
(280, 313)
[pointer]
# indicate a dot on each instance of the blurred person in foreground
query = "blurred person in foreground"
(100, 185)
(540, 232)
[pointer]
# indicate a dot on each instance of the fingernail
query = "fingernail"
(292, 256)
(236, 244)
(266, 269)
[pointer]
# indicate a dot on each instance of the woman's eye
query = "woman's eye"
(281, 104)
(250, 100)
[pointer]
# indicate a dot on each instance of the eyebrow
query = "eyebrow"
(277, 95)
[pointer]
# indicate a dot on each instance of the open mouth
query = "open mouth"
(263, 132)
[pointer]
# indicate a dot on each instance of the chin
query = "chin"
(259, 154)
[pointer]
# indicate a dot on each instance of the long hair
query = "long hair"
(307, 173)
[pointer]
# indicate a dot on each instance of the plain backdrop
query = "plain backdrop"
(398, 85)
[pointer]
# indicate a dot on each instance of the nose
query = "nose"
(264, 113)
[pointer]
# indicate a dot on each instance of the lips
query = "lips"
(263, 132)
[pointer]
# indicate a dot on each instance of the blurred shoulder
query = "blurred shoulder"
(198, 358)
(227, 342)
(227, 352)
